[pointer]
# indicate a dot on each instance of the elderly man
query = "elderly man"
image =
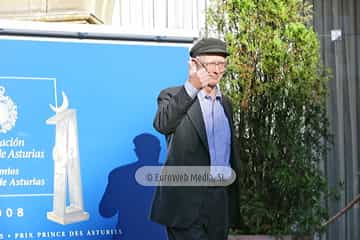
(197, 122)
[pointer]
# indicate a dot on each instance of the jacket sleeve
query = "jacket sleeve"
(172, 106)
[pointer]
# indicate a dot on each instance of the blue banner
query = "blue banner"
(67, 171)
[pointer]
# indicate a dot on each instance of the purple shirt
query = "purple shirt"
(216, 125)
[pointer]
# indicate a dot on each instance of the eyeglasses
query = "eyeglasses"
(209, 66)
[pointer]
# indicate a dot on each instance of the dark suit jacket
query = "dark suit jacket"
(180, 118)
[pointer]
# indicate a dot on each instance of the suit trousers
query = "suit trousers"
(212, 222)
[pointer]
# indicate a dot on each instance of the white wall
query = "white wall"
(185, 15)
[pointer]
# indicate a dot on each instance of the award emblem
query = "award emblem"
(8, 112)
(66, 167)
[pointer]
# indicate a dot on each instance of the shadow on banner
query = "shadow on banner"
(129, 200)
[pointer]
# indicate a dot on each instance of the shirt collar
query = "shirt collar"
(218, 95)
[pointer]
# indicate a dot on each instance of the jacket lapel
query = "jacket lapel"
(227, 111)
(195, 115)
(234, 157)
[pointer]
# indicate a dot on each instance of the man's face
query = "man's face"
(215, 65)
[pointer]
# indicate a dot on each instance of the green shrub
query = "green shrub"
(279, 90)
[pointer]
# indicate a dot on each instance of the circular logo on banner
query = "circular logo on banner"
(8, 112)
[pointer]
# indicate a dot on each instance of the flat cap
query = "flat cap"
(209, 46)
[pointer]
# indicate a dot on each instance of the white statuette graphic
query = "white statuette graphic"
(67, 167)
(8, 112)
